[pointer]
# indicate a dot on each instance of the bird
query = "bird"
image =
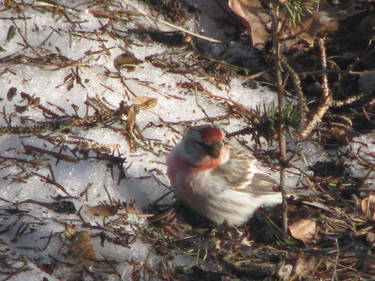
(222, 182)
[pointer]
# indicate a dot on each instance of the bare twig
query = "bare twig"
(280, 94)
(334, 274)
(327, 102)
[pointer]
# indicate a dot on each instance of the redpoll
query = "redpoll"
(224, 183)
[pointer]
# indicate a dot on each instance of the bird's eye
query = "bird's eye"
(203, 145)
(212, 149)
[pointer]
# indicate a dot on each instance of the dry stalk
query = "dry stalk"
(328, 100)
(327, 94)
(280, 93)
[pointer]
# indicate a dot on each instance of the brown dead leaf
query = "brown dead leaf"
(9, 4)
(294, 269)
(303, 229)
(126, 60)
(254, 17)
(257, 20)
(304, 266)
(145, 102)
(311, 25)
(368, 206)
(101, 210)
(81, 248)
(132, 113)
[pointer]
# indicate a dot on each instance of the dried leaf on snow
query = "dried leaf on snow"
(126, 60)
(81, 248)
(101, 210)
(145, 102)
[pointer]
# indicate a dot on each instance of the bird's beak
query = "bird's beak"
(214, 149)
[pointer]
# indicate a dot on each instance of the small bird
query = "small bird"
(224, 183)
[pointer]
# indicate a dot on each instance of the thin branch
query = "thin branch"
(280, 94)
(327, 102)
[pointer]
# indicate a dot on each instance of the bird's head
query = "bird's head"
(202, 143)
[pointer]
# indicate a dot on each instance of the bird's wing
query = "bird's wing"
(244, 173)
